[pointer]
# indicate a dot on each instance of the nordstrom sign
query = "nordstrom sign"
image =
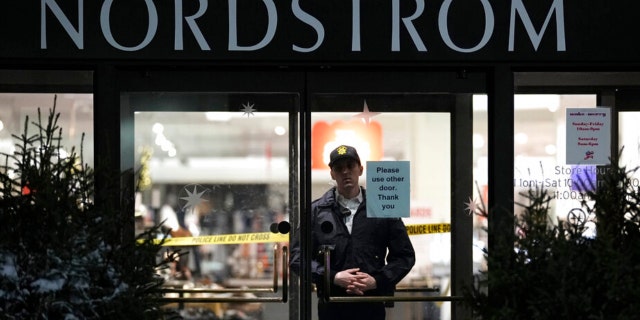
(303, 27)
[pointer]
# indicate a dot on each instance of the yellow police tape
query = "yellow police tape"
(416, 229)
(265, 237)
(238, 238)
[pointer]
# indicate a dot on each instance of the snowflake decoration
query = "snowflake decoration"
(471, 206)
(193, 198)
(248, 109)
(365, 115)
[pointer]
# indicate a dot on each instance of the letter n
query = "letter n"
(76, 35)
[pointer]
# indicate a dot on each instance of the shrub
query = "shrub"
(554, 271)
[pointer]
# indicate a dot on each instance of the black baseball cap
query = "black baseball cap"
(343, 152)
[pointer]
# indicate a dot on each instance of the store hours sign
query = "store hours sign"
(588, 136)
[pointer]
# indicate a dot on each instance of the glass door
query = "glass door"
(230, 162)
(216, 161)
(414, 143)
(215, 172)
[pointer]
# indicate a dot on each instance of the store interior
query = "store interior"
(241, 159)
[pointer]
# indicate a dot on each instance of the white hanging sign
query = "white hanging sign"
(588, 136)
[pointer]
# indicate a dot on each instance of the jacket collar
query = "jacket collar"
(329, 197)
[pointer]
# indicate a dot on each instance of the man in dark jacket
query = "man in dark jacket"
(369, 256)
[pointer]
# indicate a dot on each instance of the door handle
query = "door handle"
(328, 298)
(190, 299)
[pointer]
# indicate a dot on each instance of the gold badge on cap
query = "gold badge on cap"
(342, 150)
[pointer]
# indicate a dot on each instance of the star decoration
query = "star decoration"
(193, 198)
(248, 109)
(365, 115)
(471, 206)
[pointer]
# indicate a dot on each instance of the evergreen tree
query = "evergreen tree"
(66, 253)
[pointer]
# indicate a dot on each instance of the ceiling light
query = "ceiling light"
(550, 102)
(218, 116)
(280, 130)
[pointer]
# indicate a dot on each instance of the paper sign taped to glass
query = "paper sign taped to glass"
(388, 189)
(588, 136)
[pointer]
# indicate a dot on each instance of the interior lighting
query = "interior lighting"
(480, 102)
(478, 141)
(166, 145)
(521, 138)
(218, 116)
(62, 153)
(280, 130)
(1, 125)
(550, 149)
(7, 146)
(157, 128)
(160, 139)
(550, 102)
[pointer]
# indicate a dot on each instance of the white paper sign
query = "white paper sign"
(588, 136)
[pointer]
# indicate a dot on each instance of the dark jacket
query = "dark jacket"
(365, 248)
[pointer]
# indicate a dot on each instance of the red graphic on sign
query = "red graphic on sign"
(366, 138)
(588, 155)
